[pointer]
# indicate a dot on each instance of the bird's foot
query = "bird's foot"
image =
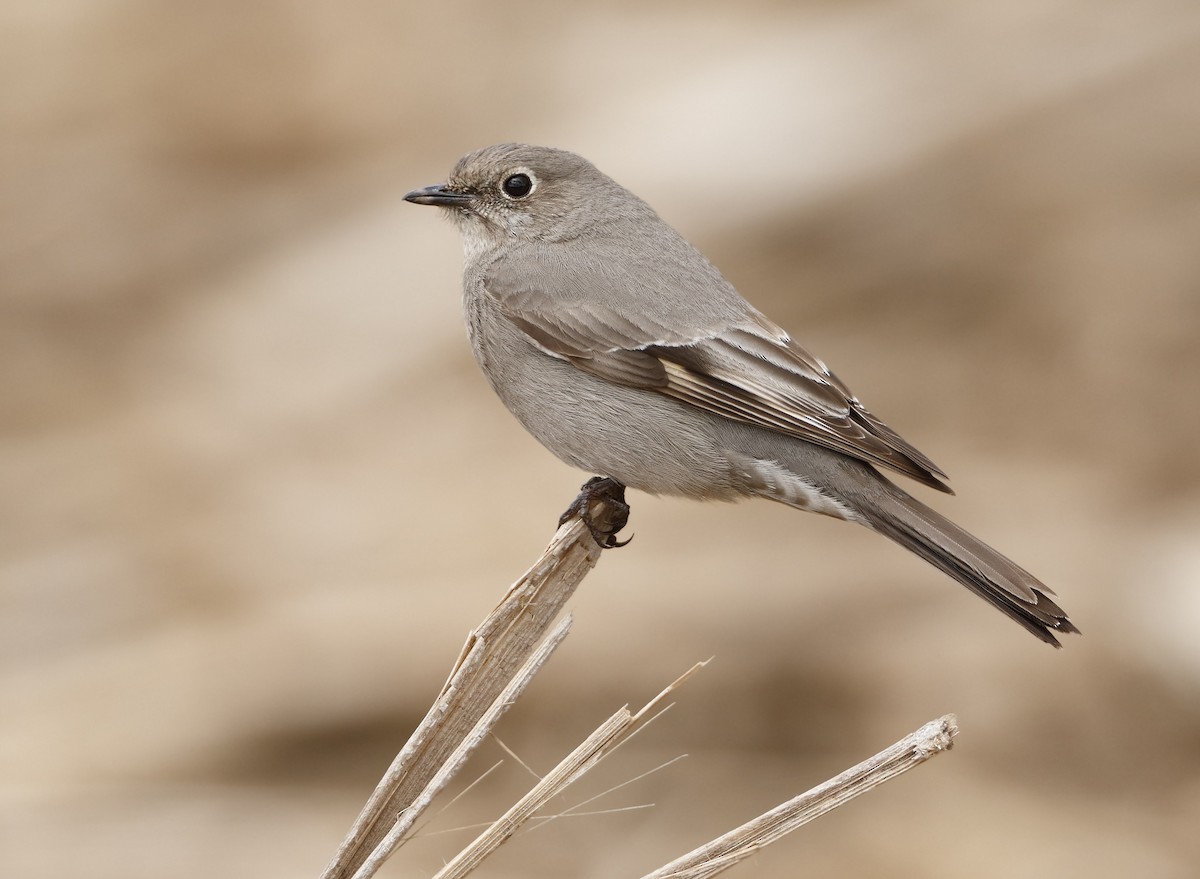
(610, 518)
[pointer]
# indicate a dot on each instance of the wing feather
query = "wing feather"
(735, 363)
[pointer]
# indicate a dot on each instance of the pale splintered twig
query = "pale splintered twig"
(419, 829)
(539, 821)
(725, 851)
(574, 811)
(400, 829)
(496, 663)
(607, 738)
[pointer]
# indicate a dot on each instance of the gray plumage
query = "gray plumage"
(627, 354)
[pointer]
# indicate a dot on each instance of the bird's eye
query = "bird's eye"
(517, 185)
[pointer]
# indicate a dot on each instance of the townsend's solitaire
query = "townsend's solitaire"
(621, 348)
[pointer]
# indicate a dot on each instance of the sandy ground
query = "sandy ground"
(253, 491)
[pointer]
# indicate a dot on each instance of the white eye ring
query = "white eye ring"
(518, 184)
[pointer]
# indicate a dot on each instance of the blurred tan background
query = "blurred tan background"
(253, 491)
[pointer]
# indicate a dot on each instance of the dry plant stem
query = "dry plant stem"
(725, 851)
(406, 819)
(481, 683)
(591, 751)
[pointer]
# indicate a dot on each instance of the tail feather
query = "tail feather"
(810, 477)
(994, 578)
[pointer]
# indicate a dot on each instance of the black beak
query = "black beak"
(441, 196)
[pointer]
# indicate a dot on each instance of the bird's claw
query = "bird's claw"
(606, 490)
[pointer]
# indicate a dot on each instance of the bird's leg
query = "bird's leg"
(614, 514)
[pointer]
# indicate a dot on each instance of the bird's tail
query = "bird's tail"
(994, 578)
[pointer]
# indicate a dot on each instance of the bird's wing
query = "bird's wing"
(746, 369)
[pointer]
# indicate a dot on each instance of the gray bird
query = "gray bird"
(627, 354)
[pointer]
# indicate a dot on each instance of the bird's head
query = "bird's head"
(518, 191)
